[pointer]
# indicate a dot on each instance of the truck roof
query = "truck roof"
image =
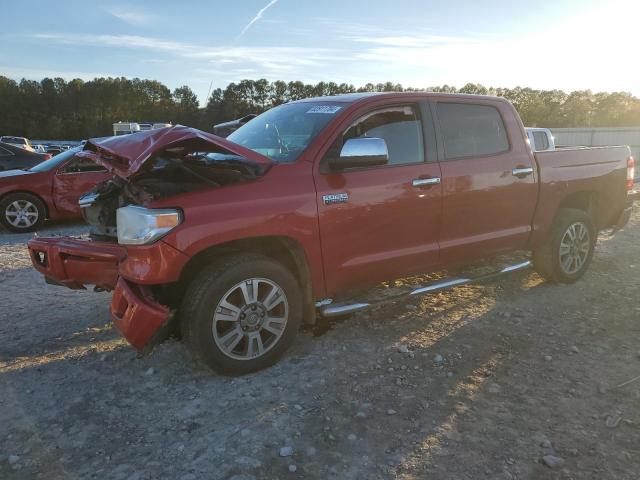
(356, 97)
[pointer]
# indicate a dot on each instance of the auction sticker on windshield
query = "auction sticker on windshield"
(330, 109)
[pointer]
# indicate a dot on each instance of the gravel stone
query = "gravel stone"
(552, 461)
(286, 451)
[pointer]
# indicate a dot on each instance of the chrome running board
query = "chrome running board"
(336, 309)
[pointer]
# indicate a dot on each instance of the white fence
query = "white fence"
(594, 137)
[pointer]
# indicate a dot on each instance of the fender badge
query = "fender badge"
(335, 198)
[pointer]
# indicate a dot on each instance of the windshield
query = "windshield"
(283, 132)
(55, 161)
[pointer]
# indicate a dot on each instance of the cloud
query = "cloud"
(130, 15)
(406, 40)
(124, 41)
(269, 58)
(257, 17)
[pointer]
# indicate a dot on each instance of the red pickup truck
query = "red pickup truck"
(240, 240)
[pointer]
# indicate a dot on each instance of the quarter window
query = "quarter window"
(471, 130)
(399, 127)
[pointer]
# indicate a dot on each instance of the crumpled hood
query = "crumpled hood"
(126, 154)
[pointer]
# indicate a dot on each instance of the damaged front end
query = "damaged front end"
(125, 252)
(182, 160)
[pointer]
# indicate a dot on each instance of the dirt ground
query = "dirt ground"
(491, 381)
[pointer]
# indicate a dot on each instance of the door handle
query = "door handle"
(522, 172)
(425, 182)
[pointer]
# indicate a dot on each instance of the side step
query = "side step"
(337, 309)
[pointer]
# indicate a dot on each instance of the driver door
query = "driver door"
(381, 222)
(73, 179)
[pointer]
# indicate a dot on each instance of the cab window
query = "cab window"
(399, 126)
(470, 130)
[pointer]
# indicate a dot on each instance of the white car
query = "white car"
(18, 142)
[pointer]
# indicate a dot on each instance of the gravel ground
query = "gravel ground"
(510, 379)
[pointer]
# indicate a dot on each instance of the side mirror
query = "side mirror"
(362, 152)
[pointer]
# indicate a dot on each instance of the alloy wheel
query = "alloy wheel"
(250, 318)
(22, 214)
(574, 248)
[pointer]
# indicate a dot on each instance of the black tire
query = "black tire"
(35, 206)
(548, 260)
(208, 289)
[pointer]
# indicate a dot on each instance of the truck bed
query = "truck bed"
(596, 175)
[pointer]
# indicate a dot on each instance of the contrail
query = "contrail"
(257, 17)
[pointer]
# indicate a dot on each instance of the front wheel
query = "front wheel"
(21, 212)
(567, 255)
(240, 314)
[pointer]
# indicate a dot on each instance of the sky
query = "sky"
(563, 44)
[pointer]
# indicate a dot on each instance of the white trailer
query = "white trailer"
(125, 128)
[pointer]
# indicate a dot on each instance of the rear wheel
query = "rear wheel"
(21, 212)
(240, 314)
(567, 255)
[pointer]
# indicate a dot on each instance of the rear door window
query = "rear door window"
(470, 130)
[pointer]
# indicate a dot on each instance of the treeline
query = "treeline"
(57, 109)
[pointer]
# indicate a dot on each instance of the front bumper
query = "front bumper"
(129, 272)
(76, 263)
(140, 319)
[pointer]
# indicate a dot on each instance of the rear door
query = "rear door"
(76, 177)
(380, 223)
(488, 177)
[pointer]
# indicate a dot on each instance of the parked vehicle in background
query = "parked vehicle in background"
(126, 128)
(240, 240)
(54, 149)
(227, 128)
(21, 142)
(12, 157)
(39, 149)
(48, 190)
(541, 139)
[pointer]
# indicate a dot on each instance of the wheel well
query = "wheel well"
(590, 203)
(46, 206)
(282, 249)
(585, 201)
